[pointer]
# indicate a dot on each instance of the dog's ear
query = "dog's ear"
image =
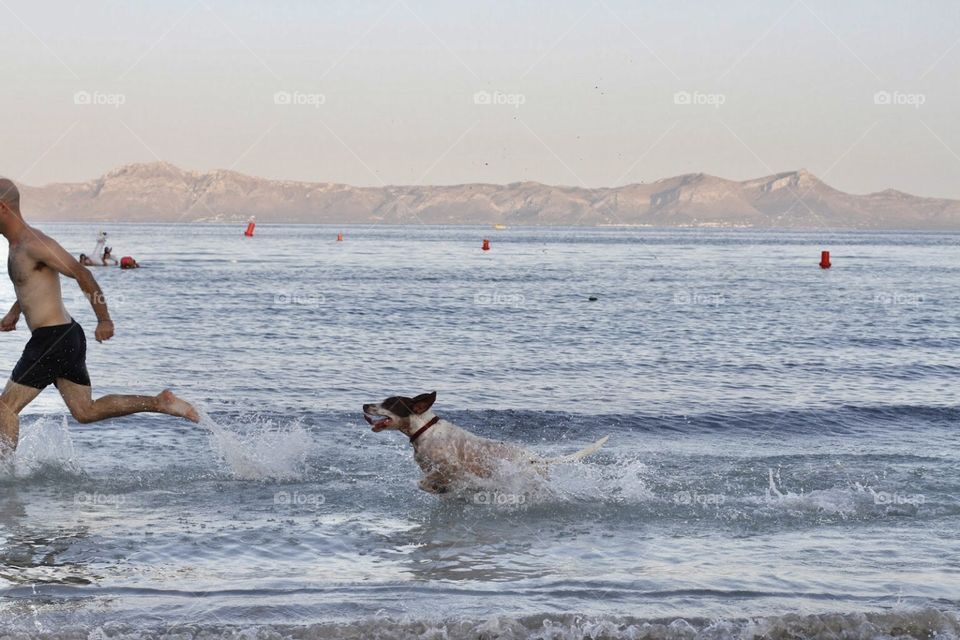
(423, 402)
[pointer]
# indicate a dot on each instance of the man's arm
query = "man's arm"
(49, 252)
(9, 321)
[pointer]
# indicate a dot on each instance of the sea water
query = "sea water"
(782, 462)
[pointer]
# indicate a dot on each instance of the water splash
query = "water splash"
(772, 490)
(843, 501)
(626, 481)
(46, 449)
(571, 482)
(259, 448)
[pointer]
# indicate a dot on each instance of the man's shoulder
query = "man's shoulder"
(37, 241)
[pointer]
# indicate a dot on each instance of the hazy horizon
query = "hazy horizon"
(594, 94)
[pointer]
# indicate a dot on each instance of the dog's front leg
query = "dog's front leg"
(433, 482)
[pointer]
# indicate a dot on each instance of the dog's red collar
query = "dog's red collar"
(420, 431)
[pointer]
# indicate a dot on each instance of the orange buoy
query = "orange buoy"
(825, 260)
(486, 245)
(339, 237)
(251, 223)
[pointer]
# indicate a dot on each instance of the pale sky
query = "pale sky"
(580, 93)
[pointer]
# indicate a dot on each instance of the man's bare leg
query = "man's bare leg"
(15, 397)
(9, 430)
(79, 399)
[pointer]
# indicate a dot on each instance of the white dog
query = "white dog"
(445, 452)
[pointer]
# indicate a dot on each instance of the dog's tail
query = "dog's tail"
(579, 455)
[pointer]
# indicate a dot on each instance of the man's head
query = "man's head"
(9, 202)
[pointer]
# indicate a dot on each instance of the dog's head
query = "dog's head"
(399, 412)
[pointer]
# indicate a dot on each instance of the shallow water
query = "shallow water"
(782, 460)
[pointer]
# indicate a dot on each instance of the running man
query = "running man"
(57, 350)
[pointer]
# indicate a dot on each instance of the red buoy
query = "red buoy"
(825, 260)
(251, 223)
(486, 245)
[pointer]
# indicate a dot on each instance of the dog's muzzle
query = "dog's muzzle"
(379, 423)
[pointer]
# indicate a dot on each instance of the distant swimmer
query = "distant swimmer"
(98, 248)
(85, 260)
(127, 262)
(57, 350)
(107, 259)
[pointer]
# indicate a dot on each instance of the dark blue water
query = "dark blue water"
(783, 459)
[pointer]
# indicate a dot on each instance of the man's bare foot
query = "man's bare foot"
(174, 406)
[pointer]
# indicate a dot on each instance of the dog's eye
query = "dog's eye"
(398, 406)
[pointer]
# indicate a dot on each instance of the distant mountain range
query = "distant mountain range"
(794, 199)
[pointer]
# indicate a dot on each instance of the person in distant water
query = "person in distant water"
(127, 262)
(85, 261)
(108, 260)
(56, 352)
(98, 248)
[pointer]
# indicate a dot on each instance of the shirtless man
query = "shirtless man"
(57, 350)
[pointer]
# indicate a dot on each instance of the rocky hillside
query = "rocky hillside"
(795, 199)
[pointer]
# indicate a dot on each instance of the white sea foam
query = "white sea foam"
(923, 623)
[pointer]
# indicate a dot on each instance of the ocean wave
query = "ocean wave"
(661, 481)
(921, 624)
(843, 419)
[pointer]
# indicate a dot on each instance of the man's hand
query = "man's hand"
(104, 330)
(9, 322)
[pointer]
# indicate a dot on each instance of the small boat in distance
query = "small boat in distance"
(500, 227)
